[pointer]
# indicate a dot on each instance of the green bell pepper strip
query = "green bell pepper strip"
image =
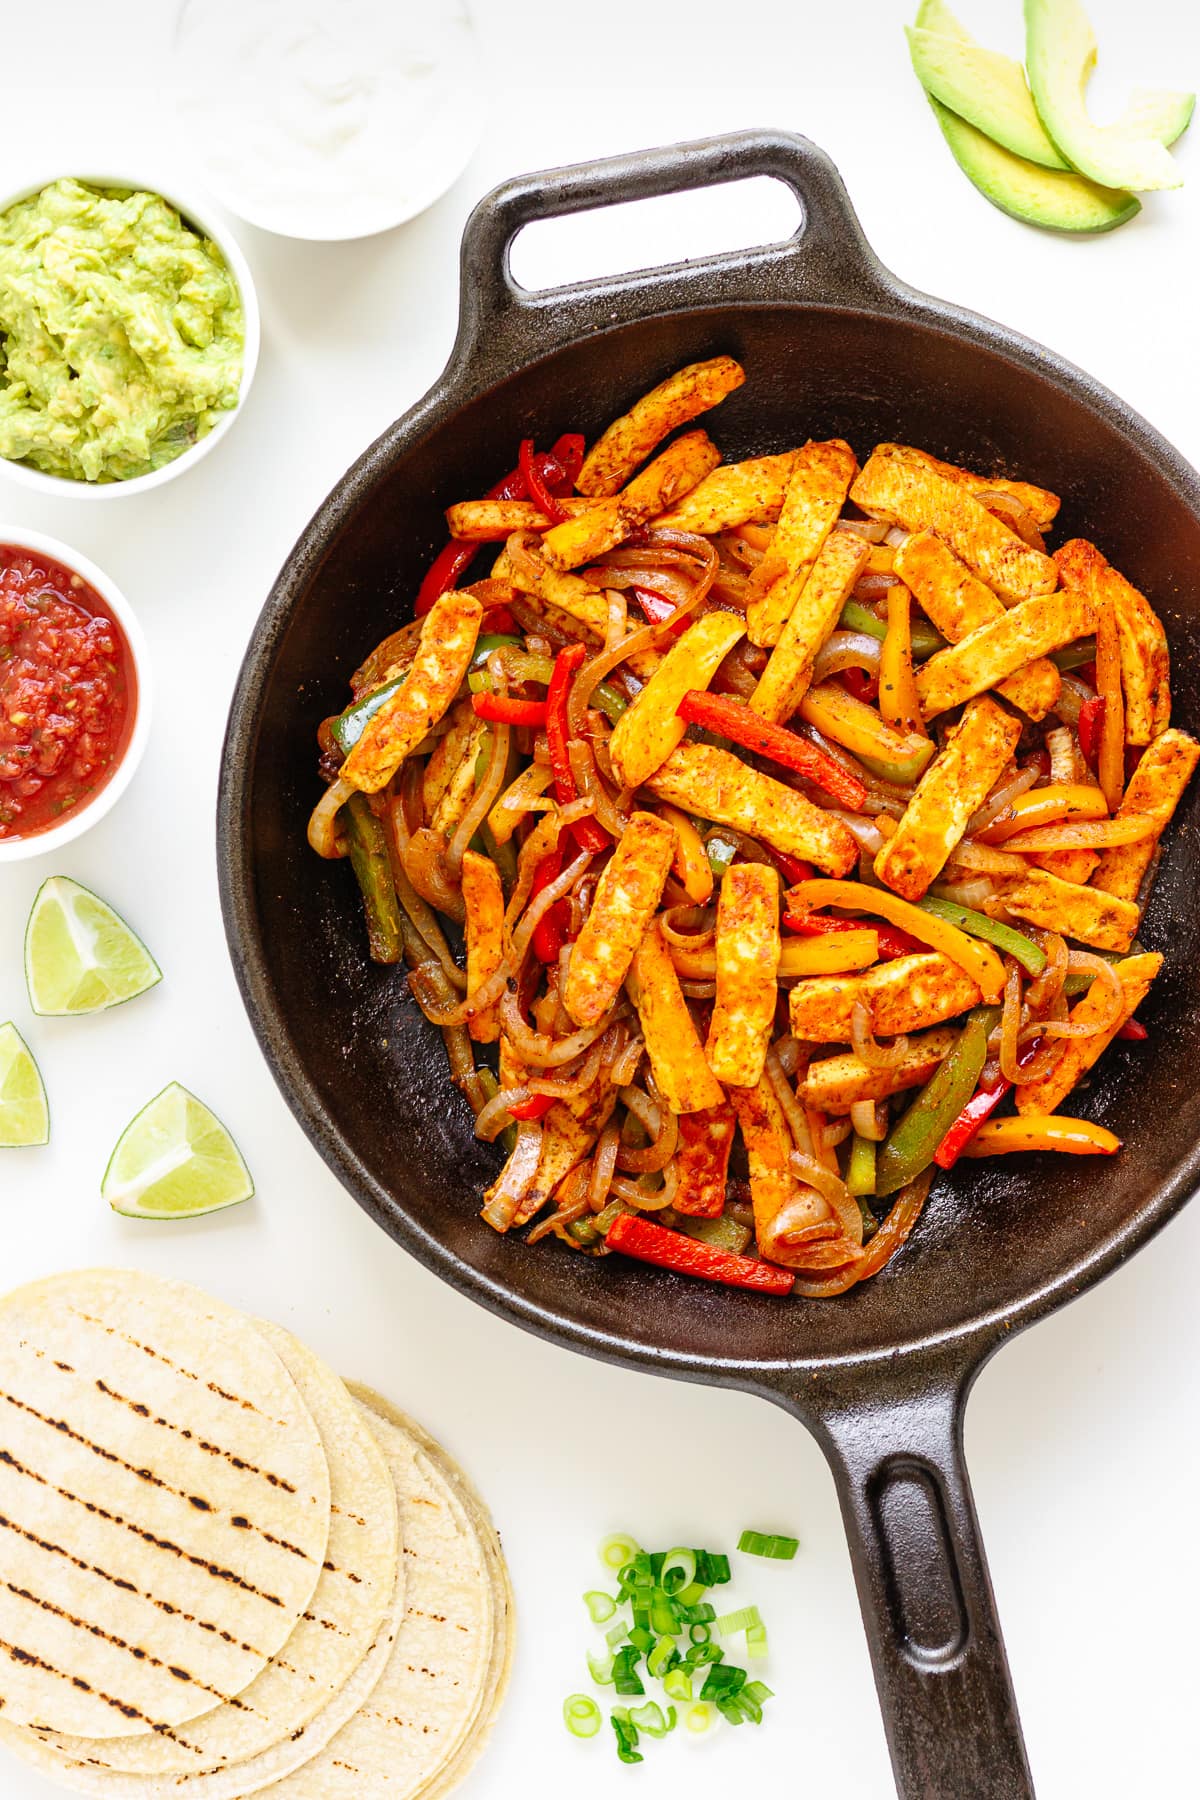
(902, 773)
(720, 852)
(492, 640)
(369, 859)
(609, 701)
(860, 1171)
(348, 727)
(913, 1140)
(925, 640)
(1074, 656)
(723, 1233)
(1031, 956)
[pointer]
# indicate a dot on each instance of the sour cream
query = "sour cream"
(329, 120)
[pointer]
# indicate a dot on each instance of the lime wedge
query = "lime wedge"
(24, 1114)
(80, 956)
(175, 1160)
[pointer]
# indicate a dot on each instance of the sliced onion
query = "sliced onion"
(865, 832)
(612, 814)
(793, 1112)
(866, 1048)
(896, 536)
(1013, 513)
(637, 1196)
(847, 650)
(874, 530)
(483, 800)
(574, 1085)
(516, 1178)
(534, 1047)
(874, 585)
(831, 1187)
(422, 862)
(604, 1167)
(663, 1127)
(1002, 797)
(971, 893)
(540, 843)
(1045, 990)
(869, 1120)
(891, 1236)
(322, 824)
(1079, 962)
(493, 1117)
(537, 909)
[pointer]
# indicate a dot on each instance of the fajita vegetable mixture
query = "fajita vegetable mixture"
(794, 799)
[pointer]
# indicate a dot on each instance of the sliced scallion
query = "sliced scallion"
(616, 1634)
(677, 1684)
(626, 1679)
(756, 1642)
(699, 1634)
(698, 1718)
(601, 1606)
(650, 1719)
(626, 1734)
(600, 1668)
(581, 1716)
(662, 1658)
(741, 1620)
(765, 1543)
(618, 1550)
(678, 1571)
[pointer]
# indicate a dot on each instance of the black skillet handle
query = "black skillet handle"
(827, 258)
(940, 1665)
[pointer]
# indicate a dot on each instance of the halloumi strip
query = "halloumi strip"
(1155, 790)
(958, 603)
(977, 960)
(1080, 1053)
(747, 964)
(682, 1074)
(832, 953)
(626, 897)
(492, 521)
(783, 1206)
(1102, 920)
(582, 539)
(459, 790)
(1041, 505)
(784, 681)
(986, 656)
(483, 897)
(630, 439)
(569, 1131)
(702, 1161)
(816, 493)
(1145, 658)
(443, 656)
(837, 1083)
(907, 994)
(718, 785)
(650, 729)
(734, 494)
(531, 574)
(903, 487)
(446, 758)
(955, 785)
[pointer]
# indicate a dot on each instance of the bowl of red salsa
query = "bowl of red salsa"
(74, 697)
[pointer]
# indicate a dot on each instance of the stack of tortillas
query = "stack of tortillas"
(224, 1572)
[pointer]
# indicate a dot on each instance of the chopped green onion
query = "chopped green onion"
(627, 1736)
(616, 1551)
(600, 1606)
(758, 1690)
(664, 1614)
(722, 1679)
(698, 1718)
(650, 1719)
(618, 1633)
(626, 1679)
(699, 1634)
(641, 1639)
(600, 1668)
(663, 1657)
(1031, 956)
(703, 1614)
(762, 1543)
(581, 1716)
(678, 1571)
(703, 1653)
(677, 1684)
(756, 1642)
(711, 1568)
(689, 1596)
(741, 1620)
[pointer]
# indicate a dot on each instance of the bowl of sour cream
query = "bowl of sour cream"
(328, 122)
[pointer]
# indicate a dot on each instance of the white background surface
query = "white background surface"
(1082, 1435)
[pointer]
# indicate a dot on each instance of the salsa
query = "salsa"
(68, 692)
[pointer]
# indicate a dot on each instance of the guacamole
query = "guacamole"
(121, 333)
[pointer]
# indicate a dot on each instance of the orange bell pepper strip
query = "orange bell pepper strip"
(898, 702)
(976, 959)
(1042, 1131)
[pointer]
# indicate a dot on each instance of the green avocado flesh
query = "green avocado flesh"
(1046, 197)
(121, 333)
(987, 89)
(1060, 53)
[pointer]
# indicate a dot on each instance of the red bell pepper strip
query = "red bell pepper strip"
(733, 719)
(443, 573)
(568, 454)
(588, 834)
(1091, 724)
(536, 1107)
(557, 473)
(550, 932)
(860, 685)
(657, 610)
(892, 941)
(535, 486)
(651, 1243)
(505, 709)
(980, 1106)
(1133, 1031)
(790, 867)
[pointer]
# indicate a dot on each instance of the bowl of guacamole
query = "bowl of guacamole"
(128, 335)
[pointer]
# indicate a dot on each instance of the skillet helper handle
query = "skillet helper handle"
(930, 1615)
(826, 259)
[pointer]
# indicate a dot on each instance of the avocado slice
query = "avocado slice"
(1060, 53)
(1026, 191)
(985, 88)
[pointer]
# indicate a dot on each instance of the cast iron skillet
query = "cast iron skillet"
(833, 345)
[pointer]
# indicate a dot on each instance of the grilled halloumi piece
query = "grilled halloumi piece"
(443, 656)
(1080, 1053)
(958, 603)
(837, 1083)
(569, 1131)
(449, 778)
(718, 785)
(747, 946)
(784, 681)
(1145, 658)
(531, 574)
(955, 785)
(1155, 790)
(630, 439)
(784, 1207)
(816, 493)
(735, 494)
(492, 521)
(1041, 505)
(1102, 920)
(702, 1161)
(650, 729)
(977, 662)
(667, 479)
(484, 900)
(906, 489)
(907, 994)
(681, 1072)
(626, 898)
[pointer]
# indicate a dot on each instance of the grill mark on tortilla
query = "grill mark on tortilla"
(238, 1520)
(344, 1513)
(348, 1574)
(118, 1581)
(188, 1374)
(17, 1653)
(120, 1643)
(147, 1537)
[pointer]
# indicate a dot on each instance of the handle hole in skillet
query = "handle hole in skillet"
(648, 234)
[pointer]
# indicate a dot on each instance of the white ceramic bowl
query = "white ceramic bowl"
(82, 819)
(196, 213)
